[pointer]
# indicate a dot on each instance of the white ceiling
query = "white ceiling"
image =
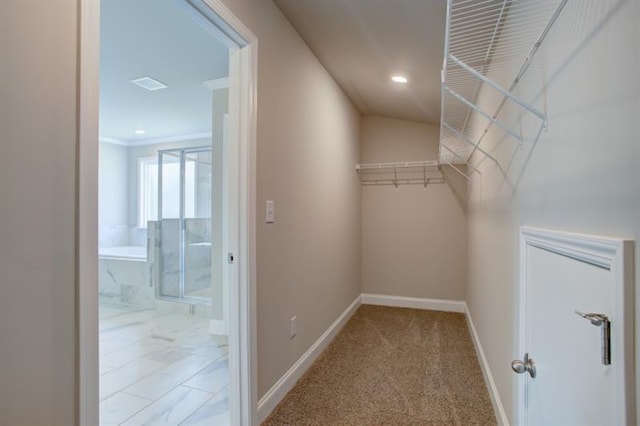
(361, 42)
(156, 39)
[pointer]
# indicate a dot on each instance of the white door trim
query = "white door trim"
(87, 372)
(242, 128)
(615, 255)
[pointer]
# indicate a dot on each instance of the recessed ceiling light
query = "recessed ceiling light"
(139, 131)
(149, 83)
(399, 78)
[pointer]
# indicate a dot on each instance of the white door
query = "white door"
(574, 383)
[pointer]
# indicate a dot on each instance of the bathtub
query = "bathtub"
(132, 253)
(123, 276)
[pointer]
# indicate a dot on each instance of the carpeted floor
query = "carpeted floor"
(392, 366)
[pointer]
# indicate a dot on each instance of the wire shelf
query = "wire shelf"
(482, 39)
(400, 173)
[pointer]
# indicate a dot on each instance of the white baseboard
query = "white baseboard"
(498, 408)
(414, 302)
(274, 395)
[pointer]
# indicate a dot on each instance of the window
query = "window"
(148, 189)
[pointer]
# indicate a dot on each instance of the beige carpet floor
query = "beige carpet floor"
(392, 366)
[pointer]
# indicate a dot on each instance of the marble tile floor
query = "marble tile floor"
(161, 369)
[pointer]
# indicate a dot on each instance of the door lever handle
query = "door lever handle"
(601, 320)
(596, 319)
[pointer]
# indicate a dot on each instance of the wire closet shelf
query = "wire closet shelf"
(400, 173)
(489, 46)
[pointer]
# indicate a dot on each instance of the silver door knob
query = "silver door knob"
(526, 366)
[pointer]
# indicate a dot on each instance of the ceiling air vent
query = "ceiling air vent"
(149, 83)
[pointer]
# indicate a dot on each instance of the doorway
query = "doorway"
(168, 285)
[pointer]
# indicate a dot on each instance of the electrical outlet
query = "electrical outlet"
(292, 327)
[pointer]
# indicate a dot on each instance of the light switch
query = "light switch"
(292, 327)
(270, 212)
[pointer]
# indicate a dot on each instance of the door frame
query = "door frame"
(242, 130)
(615, 255)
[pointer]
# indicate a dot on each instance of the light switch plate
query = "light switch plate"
(270, 212)
(292, 327)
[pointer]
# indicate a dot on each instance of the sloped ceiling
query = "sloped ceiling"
(361, 42)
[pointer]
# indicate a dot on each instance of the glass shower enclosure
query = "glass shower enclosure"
(183, 230)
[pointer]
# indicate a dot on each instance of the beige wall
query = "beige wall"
(413, 238)
(308, 144)
(582, 176)
(37, 212)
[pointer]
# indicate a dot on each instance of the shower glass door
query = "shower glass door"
(184, 225)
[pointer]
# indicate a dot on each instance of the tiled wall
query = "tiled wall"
(132, 282)
(125, 282)
(166, 254)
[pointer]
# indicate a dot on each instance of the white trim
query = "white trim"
(231, 243)
(274, 395)
(227, 23)
(166, 139)
(413, 302)
(250, 54)
(87, 369)
(496, 402)
(597, 251)
(615, 255)
(217, 83)
(156, 141)
(113, 141)
(225, 198)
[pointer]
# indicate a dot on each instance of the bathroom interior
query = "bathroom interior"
(163, 101)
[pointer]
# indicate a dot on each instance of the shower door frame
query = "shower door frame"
(243, 76)
(182, 298)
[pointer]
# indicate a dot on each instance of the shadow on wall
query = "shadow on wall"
(571, 51)
(553, 58)
(459, 185)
